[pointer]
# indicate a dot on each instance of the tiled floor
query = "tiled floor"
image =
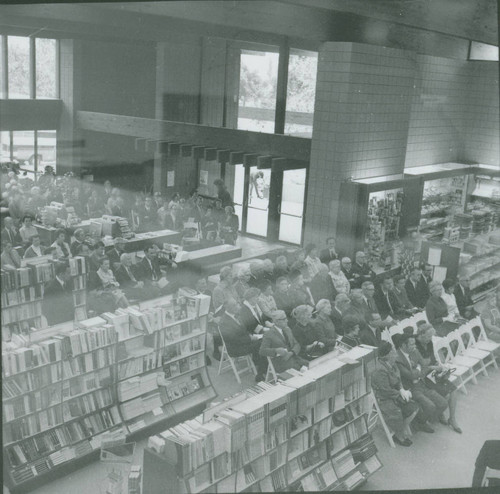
(443, 459)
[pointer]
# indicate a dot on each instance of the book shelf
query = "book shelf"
(63, 394)
(306, 433)
(22, 295)
(78, 269)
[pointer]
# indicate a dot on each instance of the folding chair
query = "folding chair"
(456, 346)
(443, 355)
(490, 473)
(375, 416)
(467, 339)
(227, 362)
(271, 375)
(481, 340)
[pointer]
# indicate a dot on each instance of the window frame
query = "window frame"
(32, 67)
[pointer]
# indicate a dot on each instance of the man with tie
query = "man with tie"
(57, 305)
(125, 275)
(384, 300)
(279, 343)
(115, 253)
(342, 303)
(463, 297)
(10, 258)
(10, 232)
(299, 292)
(251, 315)
(370, 334)
(238, 340)
(402, 305)
(414, 290)
(346, 266)
(329, 254)
(149, 272)
(361, 270)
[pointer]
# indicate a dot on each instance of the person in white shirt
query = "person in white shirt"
(312, 260)
(340, 282)
(61, 246)
(35, 249)
(449, 298)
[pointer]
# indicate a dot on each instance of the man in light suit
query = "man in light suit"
(279, 343)
(238, 340)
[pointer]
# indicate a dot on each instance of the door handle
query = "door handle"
(279, 208)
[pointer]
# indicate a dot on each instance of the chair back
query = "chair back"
(466, 336)
(477, 330)
(454, 344)
(442, 351)
(490, 474)
(271, 375)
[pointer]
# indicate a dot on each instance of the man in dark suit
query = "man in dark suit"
(432, 404)
(57, 305)
(279, 343)
(125, 274)
(358, 308)
(346, 266)
(463, 297)
(329, 254)
(489, 456)
(115, 253)
(414, 289)
(423, 282)
(282, 295)
(370, 334)
(299, 292)
(403, 306)
(10, 233)
(149, 268)
(79, 235)
(341, 305)
(250, 315)
(384, 299)
(361, 270)
(322, 285)
(238, 340)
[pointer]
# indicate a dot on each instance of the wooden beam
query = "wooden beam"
(223, 155)
(29, 114)
(236, 158)
(162, 147)
(264, 162)
(199, 135)
(198, 152)
(250, 159)
(151, 145)
(174, 149)
(140, 143)
(186, 150)
(210, 154)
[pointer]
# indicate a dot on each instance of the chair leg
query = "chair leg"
(235, 370)
(251, 365)
(222, 360)
(382, 421)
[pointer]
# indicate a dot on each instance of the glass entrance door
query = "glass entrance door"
(292, 205)
(239, 192)
(258, 201)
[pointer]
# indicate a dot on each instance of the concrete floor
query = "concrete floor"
(444, 459)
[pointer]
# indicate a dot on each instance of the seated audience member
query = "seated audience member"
(62, 248)
(342, 302)
(79, 235)
(312, 261)
(114, 254)
(148, 216)
(384, 299)
(282, 295)
(150, 272)
(224, 289)
(449, 298)
(10, 233)
(256, 273)
(201, 287)
(324, 323)
(432, 404)
(404, 308)
(35, 249)
(279, 343)
(107, 189)
(395, 403)
(251, 316)
(370, 334)
(96, 257)
(298, 263)
(489, 456)
(238, 340)
(266, 300)
(241, 285)
(416, 288)
(361, 269)
(209, 226)
(358, 307)
(322, 285)
(126, 276)
(95, 205)
(57, 305)
(115, 205)
(267, 270)
(368, 290)
(222, 193)
(346, 267)
(10, 258)
(299, 292)
(463, 297)
(281, 267)
(339, 280)
(437, 311)
(84, 250)
(490, 317)
(196, 208)
(27, 230)
(306, 332)
(229, 226)
(109, 283)
(219, 213)
(329, 254)
(350, 323)
(425, 357)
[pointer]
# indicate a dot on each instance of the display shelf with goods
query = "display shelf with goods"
(79, 272)
(64, 393)
(22, 296)
(308, 432)
(376, 215)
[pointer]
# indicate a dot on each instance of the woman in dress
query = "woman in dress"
(324, 323)
(340, 282)
(312, 260)
(306, 333)
(266, 300)
(109, 283)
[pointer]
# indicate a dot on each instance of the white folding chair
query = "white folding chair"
(490, 473)
(457, 348)
(487, 358)
(443, 355)
(375, 416)
(227, 362)
(271, 375)
(481, 340)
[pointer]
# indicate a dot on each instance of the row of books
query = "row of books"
(173, 333)
(31, 402)
(140, 406)
(31, 380)
(30, 358)
(77, 265)
(24, 312)
(25, 276)
(86, 340)
(89, 362)
(74, 386)
(22, 295)
(136, 386)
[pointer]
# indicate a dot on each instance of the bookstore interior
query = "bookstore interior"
(250, 246)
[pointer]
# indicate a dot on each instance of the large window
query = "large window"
(31, 67)
(33, 149)
(301, 91)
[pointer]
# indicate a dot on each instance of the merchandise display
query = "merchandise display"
(306, 433)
